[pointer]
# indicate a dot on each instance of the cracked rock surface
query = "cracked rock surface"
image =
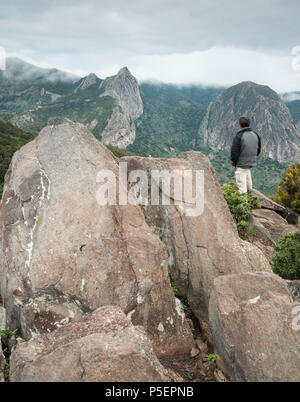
(63, 255)
(102, 346)
(202, 247)
(255, 323)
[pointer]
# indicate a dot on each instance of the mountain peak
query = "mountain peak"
(249, 90)
(92, 76)
(87, 81)
(125, 85)
(124, 71)
(270, 117)
(251, 84)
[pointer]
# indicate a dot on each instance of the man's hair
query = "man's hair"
(244, 122)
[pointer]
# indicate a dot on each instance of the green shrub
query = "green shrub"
(212, 358)
(175, 290)
(286, 257)
(118, 152)
(240, 207)
(288, 192)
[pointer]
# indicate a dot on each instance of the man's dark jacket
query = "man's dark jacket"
(245, 148)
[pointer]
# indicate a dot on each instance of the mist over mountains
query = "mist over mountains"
(18, 70)
(155, 118)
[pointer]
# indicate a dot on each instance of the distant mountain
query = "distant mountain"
(171, 118)
(29, 96)
(155, 119)
(270, 118)
(123, 87)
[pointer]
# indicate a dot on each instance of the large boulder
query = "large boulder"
(266, 203)
(102, 346)
(202, 247)
(253, 318)
(269, 225)
(62, 254)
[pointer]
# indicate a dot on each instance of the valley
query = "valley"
(155, 119)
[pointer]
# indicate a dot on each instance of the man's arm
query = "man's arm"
(236, 149)
(258, 145)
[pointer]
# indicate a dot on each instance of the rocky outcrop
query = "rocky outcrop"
(113, 120)
(270, 222)
(125, 85)
(120, 129)
(63, 255)
(23, 121)
(103, 346)
(253, 318)
(203, 247)
(270, 118)
(266, 203)
(269, 225)
(87, 82)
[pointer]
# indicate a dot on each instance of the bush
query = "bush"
(288, 192)
(119, 153)
(240, 207)
(286, 258)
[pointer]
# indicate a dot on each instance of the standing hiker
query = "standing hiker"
(245, 149)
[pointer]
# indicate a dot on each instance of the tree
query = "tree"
(288, 192)
(286, 258)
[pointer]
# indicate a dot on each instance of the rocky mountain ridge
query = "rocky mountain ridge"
(270, 118)
(156, 119)
(108, 107)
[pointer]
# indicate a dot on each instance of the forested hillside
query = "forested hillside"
(170, 124)
(171, 118)
(11, 139)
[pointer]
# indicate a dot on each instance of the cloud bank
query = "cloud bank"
(221, 66)
(207, 41)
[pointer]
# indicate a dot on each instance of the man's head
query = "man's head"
(244, 122)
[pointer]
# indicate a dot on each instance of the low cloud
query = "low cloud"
(217, 42)
(291, 97)
(221, 66)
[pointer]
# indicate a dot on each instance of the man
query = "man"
(245, 148)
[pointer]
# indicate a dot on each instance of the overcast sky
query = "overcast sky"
(218, 42)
